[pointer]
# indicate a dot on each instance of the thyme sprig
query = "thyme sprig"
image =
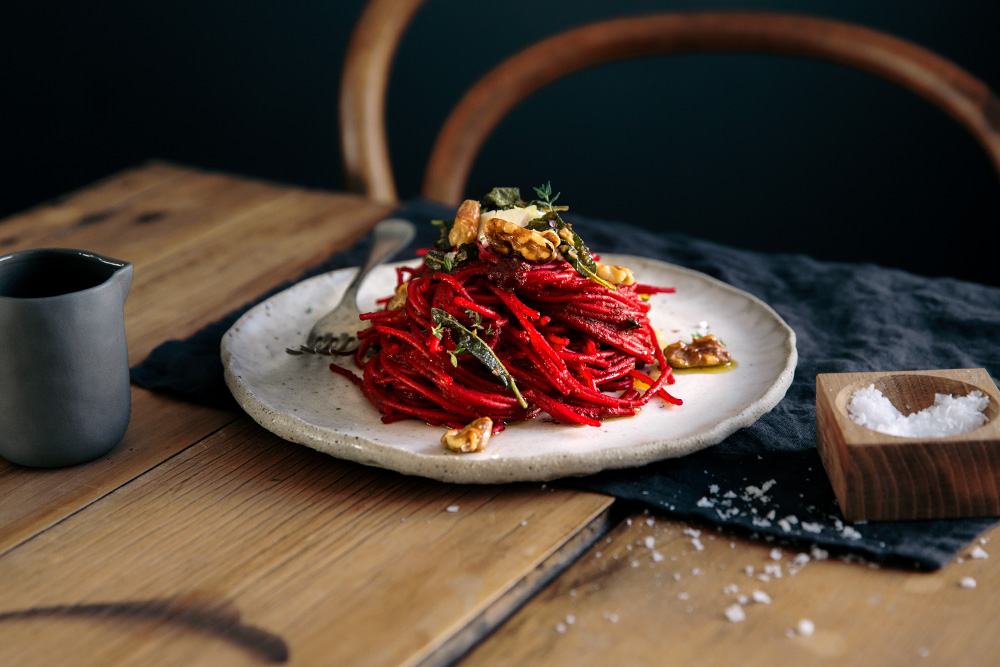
(545, 196)
(572, 247)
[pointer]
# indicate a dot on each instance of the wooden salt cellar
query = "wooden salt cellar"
(883, 477)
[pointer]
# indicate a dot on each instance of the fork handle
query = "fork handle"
(388, 237)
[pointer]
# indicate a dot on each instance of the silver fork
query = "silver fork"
(335, 332)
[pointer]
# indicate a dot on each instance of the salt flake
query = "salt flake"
(735, 613)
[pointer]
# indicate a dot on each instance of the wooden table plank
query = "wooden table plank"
(39, 226)
(656, 592)
(204, 539)
(32, 499)
(202, 244)
(343, 564)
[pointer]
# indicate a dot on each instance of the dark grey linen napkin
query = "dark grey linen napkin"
(765, 480)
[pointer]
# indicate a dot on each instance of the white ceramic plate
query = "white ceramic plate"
(299, 399)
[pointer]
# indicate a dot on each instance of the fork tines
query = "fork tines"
(328, 345)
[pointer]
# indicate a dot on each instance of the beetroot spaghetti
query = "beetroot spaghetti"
(509, 323)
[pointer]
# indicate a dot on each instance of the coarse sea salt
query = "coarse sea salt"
(735, 613)
(950, 415)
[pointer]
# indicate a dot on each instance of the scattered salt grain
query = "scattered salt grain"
(451, 508)
(850, 534)
(979, 553)
(805, 627)
(950, 415)
(967, 582)
(650, 541)
(560, 628)
(735, 613)
(775, 554)
(761, 597)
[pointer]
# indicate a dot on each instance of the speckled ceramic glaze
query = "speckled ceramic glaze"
(64, 379)
(299, 399)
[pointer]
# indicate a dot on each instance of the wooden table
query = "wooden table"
(202, 539)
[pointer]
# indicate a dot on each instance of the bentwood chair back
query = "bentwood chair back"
(382, 23)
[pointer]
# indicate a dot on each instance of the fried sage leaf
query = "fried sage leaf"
(499, 199)
(439, 261)
(445, 262)
(466, 252)
(444, 230)
(474, 345)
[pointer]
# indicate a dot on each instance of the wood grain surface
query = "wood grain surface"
(202, 539)
(657, 591)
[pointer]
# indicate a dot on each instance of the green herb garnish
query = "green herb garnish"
(545, 197)
(468, 341)
(439, 261)
(573, 249)
(444, 229)
(466, 252)
(499, 199)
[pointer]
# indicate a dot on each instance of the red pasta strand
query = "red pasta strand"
(574, 348)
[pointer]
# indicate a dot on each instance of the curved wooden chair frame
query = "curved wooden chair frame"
(366, 157)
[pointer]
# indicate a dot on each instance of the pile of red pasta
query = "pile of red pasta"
(509, 317)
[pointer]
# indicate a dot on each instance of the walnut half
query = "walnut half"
(466, 227)
(472, 438)
(702, 352)
(507, 237)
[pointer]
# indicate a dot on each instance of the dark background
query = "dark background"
(766, 153)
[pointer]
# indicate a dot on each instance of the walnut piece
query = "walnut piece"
(700, 353)
(466, 227)
(507, 237)
(472, 438)
(616, 275)
(398, 299)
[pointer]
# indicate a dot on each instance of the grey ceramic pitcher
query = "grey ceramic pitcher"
(64, 377)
